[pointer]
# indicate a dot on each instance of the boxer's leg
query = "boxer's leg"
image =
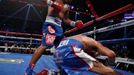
(98, 67)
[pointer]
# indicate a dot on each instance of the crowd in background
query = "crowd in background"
(124, 50)
(121, 49)
(20, 48)
(17, 48)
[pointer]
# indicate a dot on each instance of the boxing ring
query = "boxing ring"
(16, 63)
(19, 62)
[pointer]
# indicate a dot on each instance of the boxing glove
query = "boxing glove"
(77, 24)
(57, 7)
(29, 70)
(43, 72)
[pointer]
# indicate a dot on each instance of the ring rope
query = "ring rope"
(112, 27)
(21, 34)
(111, 14)
(115, 40)
(104, 29)
(22, 38)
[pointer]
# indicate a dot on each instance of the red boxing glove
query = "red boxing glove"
(79, 24)
(57, 7)
(43, 72)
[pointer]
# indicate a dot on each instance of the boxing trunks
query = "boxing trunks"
(52, 31)
(71, 57)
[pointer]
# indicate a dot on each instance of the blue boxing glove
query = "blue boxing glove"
(29, 70)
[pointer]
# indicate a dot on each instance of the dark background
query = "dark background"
(29, 15)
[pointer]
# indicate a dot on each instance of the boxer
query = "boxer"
(52, 30)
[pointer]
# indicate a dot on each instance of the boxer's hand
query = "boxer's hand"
(111, 55)
(29, 70)
(58, 7)
(79, 24)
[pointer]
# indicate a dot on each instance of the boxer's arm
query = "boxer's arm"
(57, 5)
(105, 51)
(65, 14)
(70, 22)
(99, 47)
